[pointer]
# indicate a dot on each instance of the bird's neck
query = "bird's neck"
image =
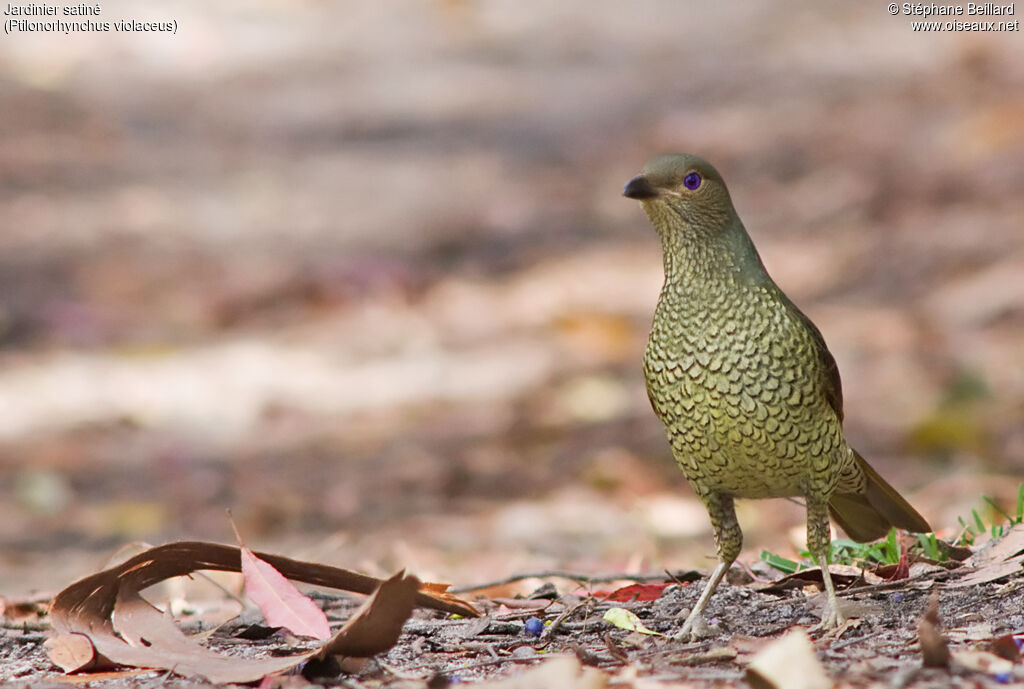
(698, 259)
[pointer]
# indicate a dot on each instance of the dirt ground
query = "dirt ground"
(879, 648)
(363, 276)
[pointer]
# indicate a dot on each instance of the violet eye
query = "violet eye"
(691, 181)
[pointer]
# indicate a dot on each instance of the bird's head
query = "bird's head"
(689, 206)
(679, 188)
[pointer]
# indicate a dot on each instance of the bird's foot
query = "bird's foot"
(694, 629)
(820, 632)
(831, 618)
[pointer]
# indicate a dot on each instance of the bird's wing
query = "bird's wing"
(831, 383)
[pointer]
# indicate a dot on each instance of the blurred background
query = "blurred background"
(361, 272)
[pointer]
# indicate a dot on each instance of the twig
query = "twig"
(558, 621)
(850, 642)
(403, 674)
(574, 576)
(500, 661)
(901, 583)
(26, 627)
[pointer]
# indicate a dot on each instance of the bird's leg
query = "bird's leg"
(728, 541)
(818, 543)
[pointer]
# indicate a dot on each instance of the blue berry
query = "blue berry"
(534, 626)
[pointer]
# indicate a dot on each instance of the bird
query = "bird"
(742, 380)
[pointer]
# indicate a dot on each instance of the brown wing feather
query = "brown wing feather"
(865, 516)
(832, 385)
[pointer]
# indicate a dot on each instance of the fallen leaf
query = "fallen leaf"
(96, 677)
(788, 662)
(585, 656)
(983, 661)
(22, 610)
(519, 605)
(434, 587)
(95, 594)
(284, 682)
(140, 635)
(71, 652)
(842, 575)
(634, 592)
(561, 672)
(995, 561)
(280, 602)
(125, 628)
(1005, 647)
(626, 619)
(934, 647)
(615, 649)
(475, 627)
(1009, 545)
(714, 655)
(375, 627)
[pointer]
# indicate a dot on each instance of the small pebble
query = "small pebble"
(524, 652)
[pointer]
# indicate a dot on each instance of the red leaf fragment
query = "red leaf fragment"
(633, 592)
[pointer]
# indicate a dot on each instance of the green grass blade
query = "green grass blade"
(780, 563)
(977, 521)
(997, 508)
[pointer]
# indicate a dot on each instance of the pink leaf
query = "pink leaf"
(281, 603)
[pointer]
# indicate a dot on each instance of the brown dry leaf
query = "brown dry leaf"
(515, 606)
(842, 575)
(96, 677)
(714, 655)
(1010, 544)
(23, 610)
(94, 595)
(615, 649)
(564, 672)
(434, 587)
(280, 602)
(788, 662)
(125, 628)
(934, 647)
(71, 652)
(375, 627)
(983, 661)
(1000, 559)
(285, 682)
(139, 635)
(1005, 647)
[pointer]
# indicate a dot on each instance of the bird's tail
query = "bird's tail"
(867, 516)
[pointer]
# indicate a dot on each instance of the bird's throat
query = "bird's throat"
(702, 257)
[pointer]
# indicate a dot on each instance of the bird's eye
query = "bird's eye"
(691, 181)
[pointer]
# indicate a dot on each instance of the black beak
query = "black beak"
(639, 188)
